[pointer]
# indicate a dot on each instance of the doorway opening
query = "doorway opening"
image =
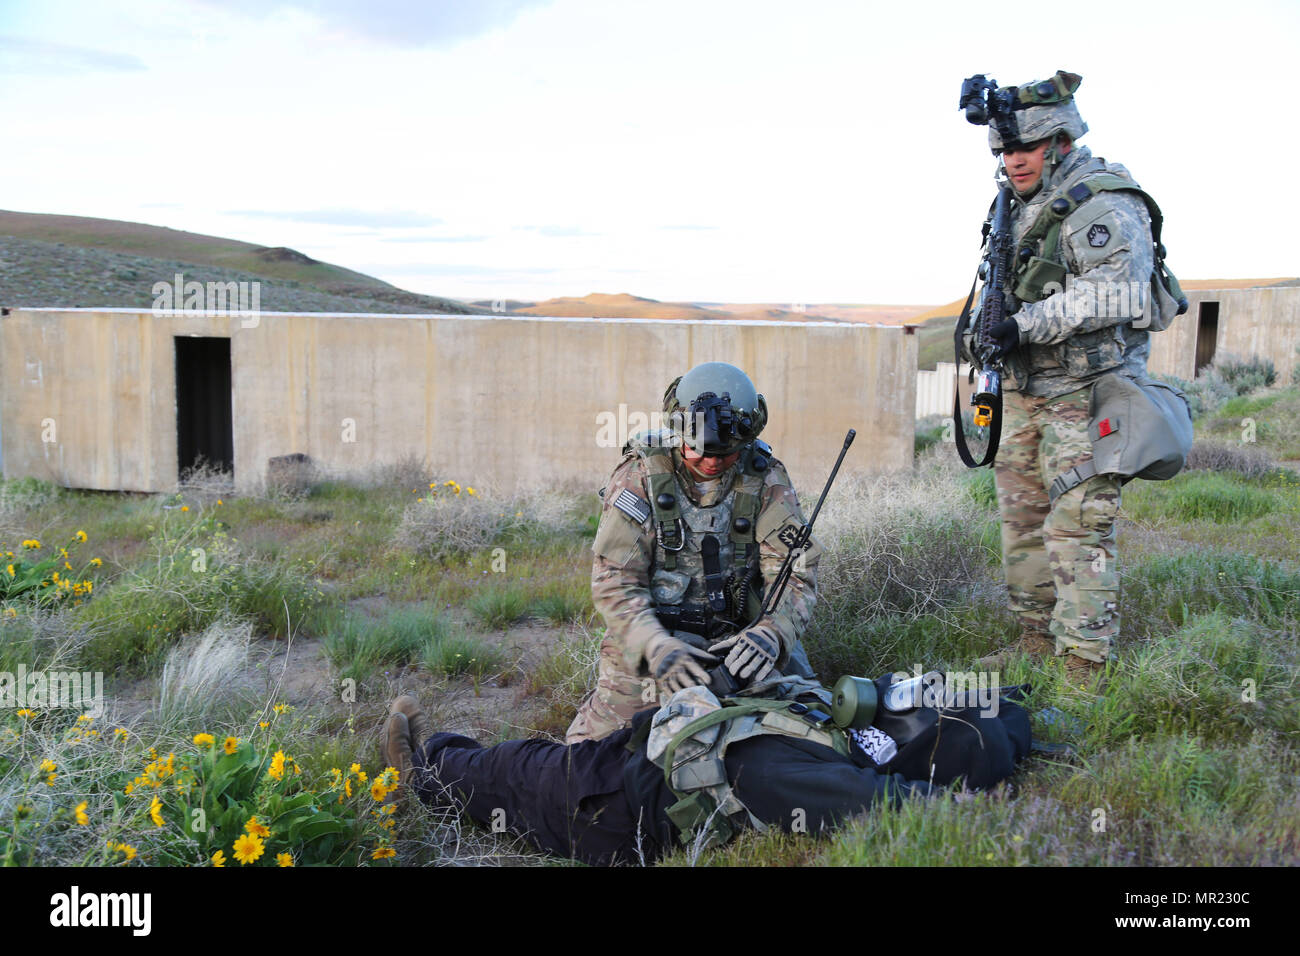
(204, 427)
(1207, 334)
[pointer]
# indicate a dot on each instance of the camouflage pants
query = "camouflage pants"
(617, 696)
(1059, 560)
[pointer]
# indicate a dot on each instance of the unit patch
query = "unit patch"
(632, 506)
(1098, 236)
(789, 535)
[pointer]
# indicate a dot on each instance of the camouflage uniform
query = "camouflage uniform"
(1060, 559)
(629, 577)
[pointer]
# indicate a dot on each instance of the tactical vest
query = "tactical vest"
(693, 758)
(706, 562)
(1038, 258)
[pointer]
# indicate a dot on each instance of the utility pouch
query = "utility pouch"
(1084, 356)
(1036, 278)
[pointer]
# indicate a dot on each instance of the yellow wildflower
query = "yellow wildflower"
(220, 502)
(26, 713)
(231, 745)
(120, 733)
(378, 791)
(11, 612)
(355, 768)
(281, 708)
(155, 813)
(31, 544)
(276, 771)
(185, 507)
(383, 853)
(81, 536)
(347, 786)
(337, 776)
(219, 858)
(248, 848)
(10, 569)
(204, 740)
(82, 819)
(96, 562)
(128, 850)
(48, 766)
(263, 724)
(284, 859)
(85, 719)
(255, 828)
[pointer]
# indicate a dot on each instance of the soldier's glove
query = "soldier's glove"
(675, 664)
(1007, 336)
(752, 654)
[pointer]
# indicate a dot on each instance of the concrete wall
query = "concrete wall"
(1252, 322)
(491, 401)
(934, 389)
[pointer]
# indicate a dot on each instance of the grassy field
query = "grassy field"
(282, 625)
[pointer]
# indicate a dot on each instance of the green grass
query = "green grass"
(359, 645)
(498, 605)
(1190, 755)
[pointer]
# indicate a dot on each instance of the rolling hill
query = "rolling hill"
(71, 261)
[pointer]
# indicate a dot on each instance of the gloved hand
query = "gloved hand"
(752, 654)
(676, 664)
(1007, 336)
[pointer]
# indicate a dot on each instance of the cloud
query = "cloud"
(400, 22)
(24, 55)
(438, 269)
(690, 228)
(436, 239)
(393, 218)
(562, 232)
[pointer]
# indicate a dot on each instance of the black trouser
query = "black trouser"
(568, 800)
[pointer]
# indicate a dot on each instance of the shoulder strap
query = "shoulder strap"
(731, 710)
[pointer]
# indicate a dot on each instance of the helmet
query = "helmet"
(715, 409)
(1036, 111)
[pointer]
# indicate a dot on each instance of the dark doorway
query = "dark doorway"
(203, 418)
(1207, 334)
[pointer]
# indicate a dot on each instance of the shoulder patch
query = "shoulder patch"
(1098, 235)
(632, 505)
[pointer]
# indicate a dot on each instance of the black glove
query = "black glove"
(1006, 335)
(676, 664)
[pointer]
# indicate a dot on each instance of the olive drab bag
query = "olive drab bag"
(1140, 427)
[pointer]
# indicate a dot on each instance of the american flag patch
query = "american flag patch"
(632, 506)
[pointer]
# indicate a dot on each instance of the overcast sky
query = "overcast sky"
(678, 149)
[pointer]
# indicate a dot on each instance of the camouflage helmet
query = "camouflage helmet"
(715, 409)
(1038, 111)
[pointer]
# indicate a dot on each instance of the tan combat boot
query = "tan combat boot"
(416, 722)
(396, 748)
(1085, 674)
(1032, 642)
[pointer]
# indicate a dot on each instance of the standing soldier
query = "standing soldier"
(1082, 235)
(695, 519)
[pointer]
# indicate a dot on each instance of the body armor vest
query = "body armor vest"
(706, 575)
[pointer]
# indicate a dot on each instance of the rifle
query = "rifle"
(986, 395)
(723, 684)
